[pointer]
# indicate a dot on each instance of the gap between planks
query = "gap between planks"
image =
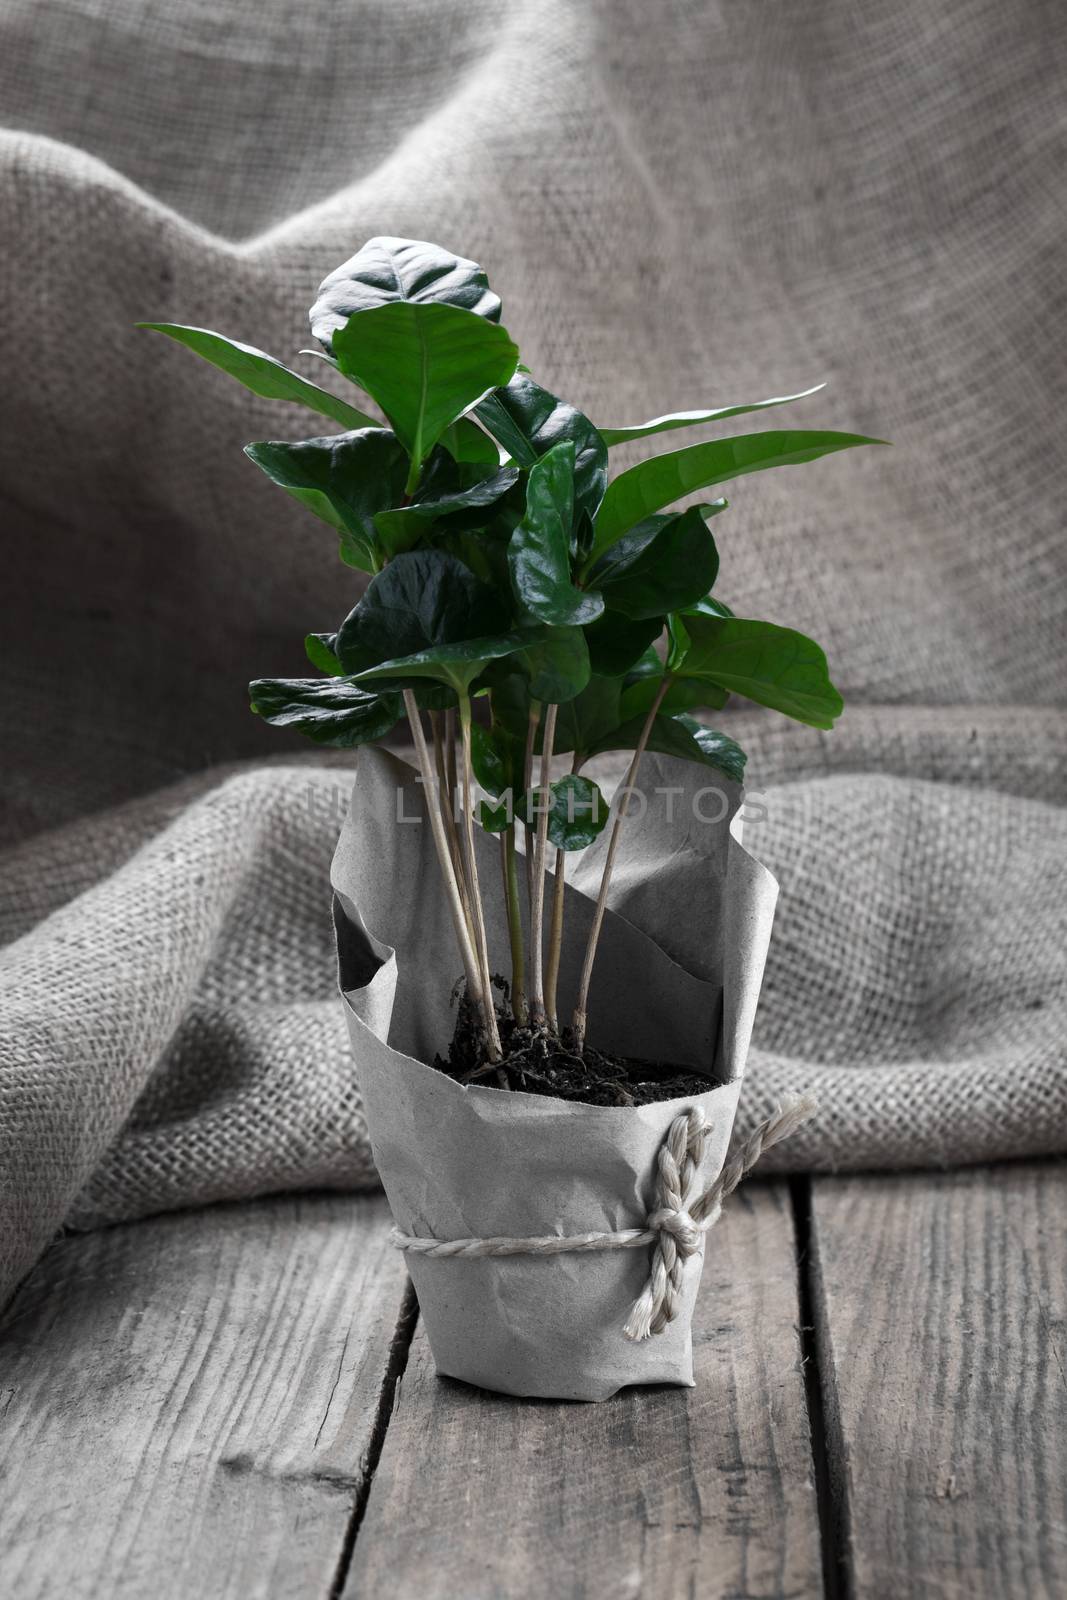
(194, 1400)
(940, 1323)
(656, 1493)
(183, 1409)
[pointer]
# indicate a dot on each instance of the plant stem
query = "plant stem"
(555, 937)
(450, 761)
(452, 889)
(492, 1033)
(537, 904)
(448, 807)
(580, 1010)
(511, 899)
(527, 779)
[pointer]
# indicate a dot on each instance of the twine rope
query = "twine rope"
(675, 1226)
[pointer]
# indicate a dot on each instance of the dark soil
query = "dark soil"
(540, 1063)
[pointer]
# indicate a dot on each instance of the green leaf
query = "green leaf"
(321, 652)
(456, 665)
(495, 818)
(582, 722)
(497, 756)
(616, 642)
(577, 811)
(650, 485)
(690, 419)
(424, 365)
(386, 270)
(482, 552)
(422, 599)
(344, 479)
(539, 552)
(709, 607)
(682, 695)
(402, 527)
(329, 711)
(716, 749)
(599, 720)
(676, 736)
(663, 564)
(649, 666)
(774, 666)
(529, 422)
(261, 373)
(465, 442)
(555, 663)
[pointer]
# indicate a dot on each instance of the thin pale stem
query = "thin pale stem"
(532, 724)
(555, 936)
(537, 903)
(451, 783)
(448, 872)
(510, 857)
(581, 1008)
(492, 1033)
(448, 808)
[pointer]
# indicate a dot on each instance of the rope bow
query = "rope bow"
(675, 1226)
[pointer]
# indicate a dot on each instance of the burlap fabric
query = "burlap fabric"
(681, 204)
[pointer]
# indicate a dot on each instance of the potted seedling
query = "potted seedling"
(550, 1060)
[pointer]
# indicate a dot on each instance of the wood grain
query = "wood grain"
(941, 1305)
(186, 1404)
(656, 1493)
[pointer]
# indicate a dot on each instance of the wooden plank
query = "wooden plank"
(941, 1304)
(656, 1493)
(187, 1403)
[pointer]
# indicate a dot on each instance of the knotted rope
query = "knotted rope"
(675, 1226)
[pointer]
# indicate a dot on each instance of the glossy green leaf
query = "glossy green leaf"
(466, 442)
(774, 666)
(653, 484)
(422, 599)
(496, 755)
(328, 710)
(494, 818)
(678, 641)
(674, 736)
(684, 694)
(261, 373)
(456, 665)
(320, 649)
(529, 422)
(577, 811)
(716, 749)
(691, 419)
(483, 553)
(663, 564)
(650, 665)
(344, 479)
(402, 527)
(589, 717)
(539, 553)
(555, 663)
(424, 365)
(617, 642)
(386, 270)
(709, 607)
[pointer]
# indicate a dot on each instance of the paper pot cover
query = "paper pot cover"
(677, 978)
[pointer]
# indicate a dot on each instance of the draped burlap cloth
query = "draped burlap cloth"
(681, 204)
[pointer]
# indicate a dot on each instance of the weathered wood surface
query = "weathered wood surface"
(194, 1407)
(942, 1310)
(187, 1404)
(656, 1493)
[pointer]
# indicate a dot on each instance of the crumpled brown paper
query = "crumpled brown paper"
(461, 1162)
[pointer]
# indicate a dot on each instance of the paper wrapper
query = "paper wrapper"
(677, 978)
